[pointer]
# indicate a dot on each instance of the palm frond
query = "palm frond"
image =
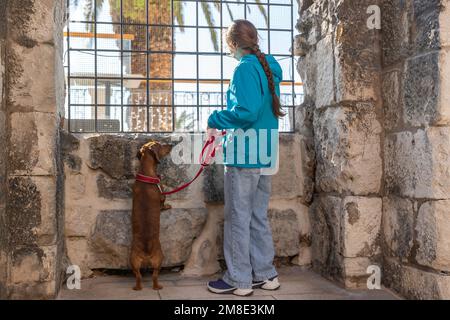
(178, 14)
(263, 11)
(210, 21)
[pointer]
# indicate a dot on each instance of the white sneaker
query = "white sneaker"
(270, 284)
(243, 292)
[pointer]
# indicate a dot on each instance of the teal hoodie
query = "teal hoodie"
(252, 128)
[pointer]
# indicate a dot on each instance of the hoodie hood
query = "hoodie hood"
(273, 64)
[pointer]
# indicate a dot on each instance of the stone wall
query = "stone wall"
(32, 91)
(3, 239)
(339, 63)
(100, 170)
(416, 100)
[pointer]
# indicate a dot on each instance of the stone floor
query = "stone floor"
(297, 284)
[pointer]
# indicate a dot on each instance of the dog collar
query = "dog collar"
(147, 179)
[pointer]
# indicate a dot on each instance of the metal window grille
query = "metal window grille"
(162, 65)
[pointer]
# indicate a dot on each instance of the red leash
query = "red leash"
(203, 163)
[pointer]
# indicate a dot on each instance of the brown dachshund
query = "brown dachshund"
(147, 205)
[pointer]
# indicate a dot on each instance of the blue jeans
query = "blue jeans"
(248, 245)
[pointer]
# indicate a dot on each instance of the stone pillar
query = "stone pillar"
(31, 245)
(416, 96)
(339, 64)
(3, 232)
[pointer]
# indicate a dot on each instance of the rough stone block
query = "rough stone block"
(79, 254)
(395, 36)
(423, 25)
(325, 73)
(79, 220)
(290, 180)
(28, 66)
(111, 238)
(32, 143)
(361, 222)
(31, 211)
(391, 100)
(33, 268)
(355, 271)
(114, 188)
(285, 232)
(213, 183)
(356, 57)
(33, 21)
(398, 226)
(433, 230)
(421, 91)
(325, 215)
(416, 164)
(410, 282)
(444, 26)
(348, 150)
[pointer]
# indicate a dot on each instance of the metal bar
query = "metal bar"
(121, 66)
(95, 65)
(147, 61)
(197, 123)
(176, 25)
(172, 89)
(68, 71)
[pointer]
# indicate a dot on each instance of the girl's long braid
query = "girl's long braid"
(262, 59)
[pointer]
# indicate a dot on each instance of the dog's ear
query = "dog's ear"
(139, 154)
(155, 149)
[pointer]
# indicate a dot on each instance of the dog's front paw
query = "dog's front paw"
(157, 287)
(137, 288)
(166, 207)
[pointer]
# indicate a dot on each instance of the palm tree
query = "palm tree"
(178, 12)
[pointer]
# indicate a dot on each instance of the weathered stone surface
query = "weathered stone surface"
(433, 230)
(113, 154)
(33, 21)
(361, 222)
(289, 181)
(325, 73)
(356, 57)
(348, 150)
(398, 226)
(113, 188)
(32, 143)
(123, 149)
(416, 164)
(325, 215)
(213, 183)
(33, 273)
(413, 283)
(391, 100)
(355, 271)
(205, 249)
(425, 35)
(444, 26)
(79, 254)
(111, 238)
(421, 90)
(395, 36)
(79, 221)
(285, 232)
(31, 211)
(29, 65)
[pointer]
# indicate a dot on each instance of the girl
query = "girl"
(253, 109)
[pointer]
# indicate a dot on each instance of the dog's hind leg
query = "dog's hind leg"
(136, 262)
(156, 262)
